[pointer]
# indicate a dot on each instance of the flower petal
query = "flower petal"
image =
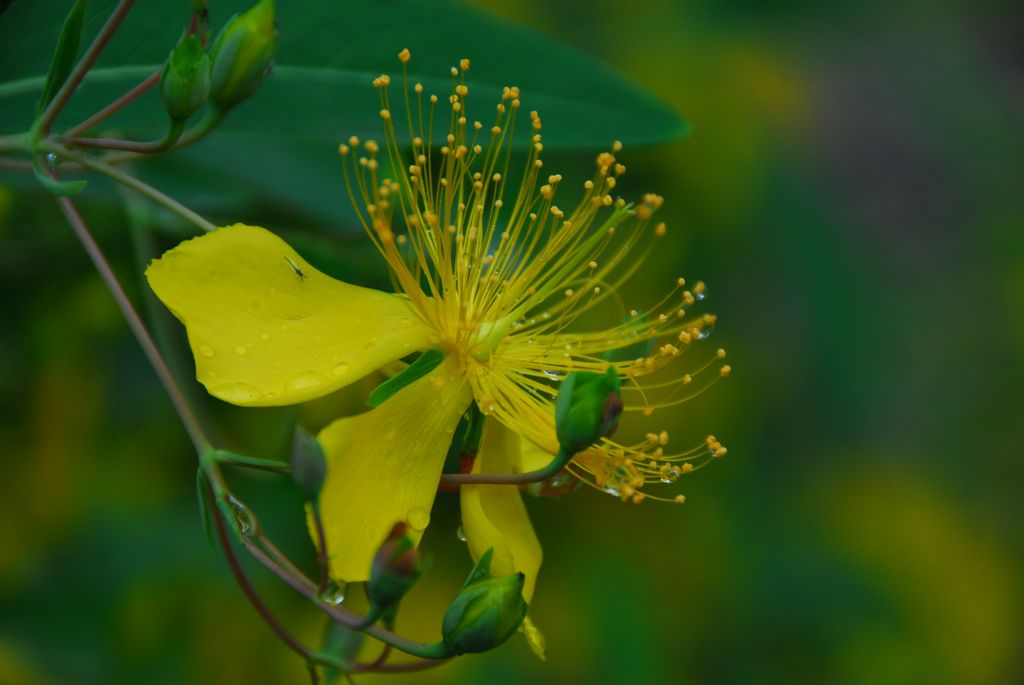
(266, 328)
(383, 467)
(494, 515)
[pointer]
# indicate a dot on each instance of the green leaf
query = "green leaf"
(64, 55)
(327, 56)
(424, 364)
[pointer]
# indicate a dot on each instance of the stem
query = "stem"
(322, 547)
(42, 126)
(207, 124)
(304, 586)
(108, 111)
(226, 457)
(144, 148)
(188, 419)
(257, 602)
(130, 181)
(407, 667)
(552, 469)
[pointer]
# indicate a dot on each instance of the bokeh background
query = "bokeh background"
(852, 194)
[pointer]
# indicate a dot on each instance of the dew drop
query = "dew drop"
(340, 369)
(241, 350)
(237, 392)
(406, 323)
(206, 351)
(306, 379)
(51, 158)
(370, 344)
(334, 593)
(243, 518)
(418, 518)
(264, 336)
(460, 533)
(255, 304)
(669, 473)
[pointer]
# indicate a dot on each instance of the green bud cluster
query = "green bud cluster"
(242, 55)
(185, 81)
(587, 409)
(486, 612)
(309, 465)
(396, 568)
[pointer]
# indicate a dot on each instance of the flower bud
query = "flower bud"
(486, 612)
(396, 567)
(309, 466)
(185, 81)
(242, 54)
(587, 409)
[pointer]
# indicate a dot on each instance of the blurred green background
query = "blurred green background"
(852, 194)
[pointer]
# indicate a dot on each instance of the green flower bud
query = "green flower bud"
(587, 409)
(486, 612)
(185, 82)
(242, 54)
(309, 466)
(396, 567)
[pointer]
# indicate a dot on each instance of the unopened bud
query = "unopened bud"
(396, 567)
(587, 409)
(242, 54)
(486, 612)
(185, 82)
(309, 465)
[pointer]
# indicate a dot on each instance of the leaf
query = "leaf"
(64, 54)
(424, 364)
(328, 54)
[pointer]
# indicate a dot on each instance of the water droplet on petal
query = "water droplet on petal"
(241, 350)
(340, 369)
(418, 518)
(264, 336)
(238, 393)
(206, 351)
(370, 344)
(406, 323)
(307, 379)
(460, 533)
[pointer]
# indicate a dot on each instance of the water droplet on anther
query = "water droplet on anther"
(669, 473)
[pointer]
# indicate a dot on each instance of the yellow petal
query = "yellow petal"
(494, 515)
(532, 458)
(266, 328)
(383, 467)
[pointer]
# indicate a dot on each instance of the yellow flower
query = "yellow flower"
(497, 287)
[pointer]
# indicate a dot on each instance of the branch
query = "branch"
(82, 68)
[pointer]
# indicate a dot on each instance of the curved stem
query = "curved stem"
(45, 121)
(552, 469)
(145, 148)
(130, 181)
(108, 111)
(188, 419)
(306, 587)
(206, 125)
